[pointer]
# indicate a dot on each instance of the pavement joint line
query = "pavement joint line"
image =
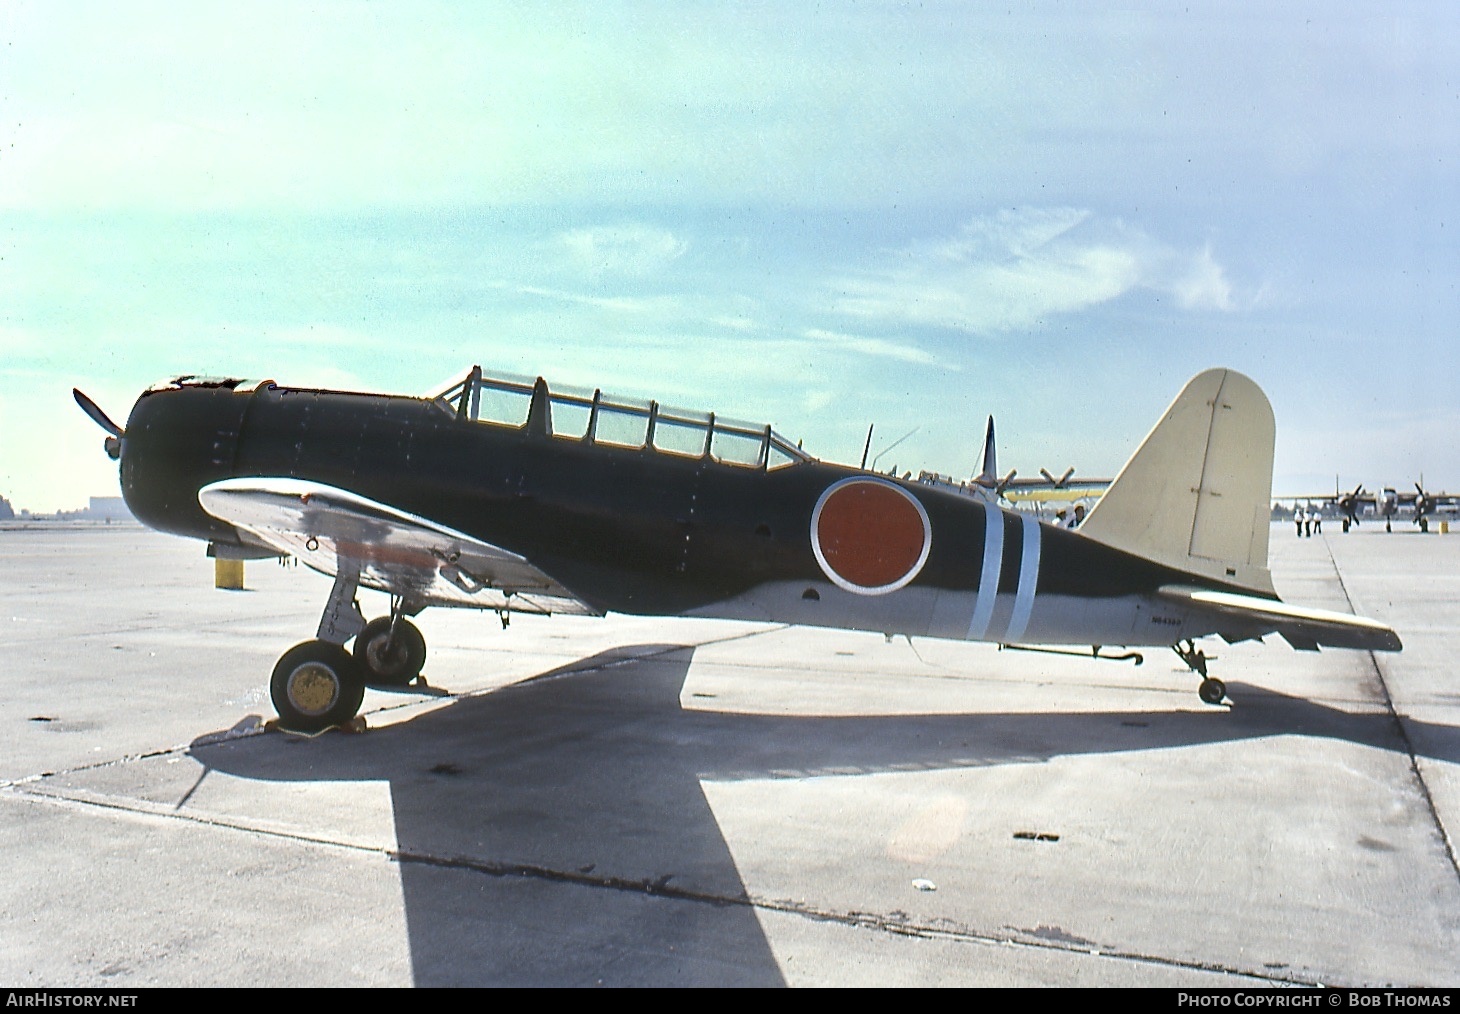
(264, 727)
(113, 804)
(660, 887)
(219, 626)
(864, 920)
(857, 919)
(101, 765)
(1414, 768)
(652, 888)
(658, 651)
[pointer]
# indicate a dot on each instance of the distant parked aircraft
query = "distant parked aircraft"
(990, 486)
(1387, 503)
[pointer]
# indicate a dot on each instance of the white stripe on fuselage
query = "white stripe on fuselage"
(988, 581)
(1028, 580)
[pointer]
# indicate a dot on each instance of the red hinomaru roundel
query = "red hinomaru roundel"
(870, 536)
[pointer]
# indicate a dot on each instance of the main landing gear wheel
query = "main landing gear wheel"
(1212, 690)
(387, 661)
(316, 685)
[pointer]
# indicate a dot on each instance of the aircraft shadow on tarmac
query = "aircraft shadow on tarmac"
(590, 775)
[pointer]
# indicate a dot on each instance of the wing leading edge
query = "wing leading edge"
(1302, 627)
(394, 551)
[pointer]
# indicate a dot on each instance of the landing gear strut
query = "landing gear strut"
(1212, 690)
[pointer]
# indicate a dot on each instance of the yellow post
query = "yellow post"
(1444, 528)
(228, 574)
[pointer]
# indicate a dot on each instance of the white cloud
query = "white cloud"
(1018, 233)
(1012, 270)
(877, 347)
(817, 399)
(1204, 284)
(628, 305)
(631, 250)
(741, 322)
(332, 105)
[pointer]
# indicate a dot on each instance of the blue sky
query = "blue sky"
(824, 217)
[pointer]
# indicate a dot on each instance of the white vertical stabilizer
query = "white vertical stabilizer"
(1197, 493)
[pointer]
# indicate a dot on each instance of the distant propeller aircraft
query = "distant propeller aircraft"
(988, 485)
(1386, 503)
(511, 496)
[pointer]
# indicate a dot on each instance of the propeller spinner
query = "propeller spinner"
(113, 442)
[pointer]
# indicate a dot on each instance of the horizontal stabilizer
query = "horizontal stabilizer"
(1304, 628)
(1301, 643)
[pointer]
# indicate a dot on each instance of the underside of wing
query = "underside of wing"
(395, 552)
(1249, 616)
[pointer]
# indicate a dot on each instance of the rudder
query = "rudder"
(1196, 494)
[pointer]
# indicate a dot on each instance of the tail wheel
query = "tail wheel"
(387, 662)
(1212, 690)
(316, 685)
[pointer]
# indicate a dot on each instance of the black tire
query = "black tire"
(1212, 690)
(401, 664)
(316, 685)
(1424, 524)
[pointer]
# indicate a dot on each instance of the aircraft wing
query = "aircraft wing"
(1039, 492)
(1053, 487)
(1368, 498)
(1304, 628)
(395, 552)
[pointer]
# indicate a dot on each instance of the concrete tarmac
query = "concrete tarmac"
(635, 802)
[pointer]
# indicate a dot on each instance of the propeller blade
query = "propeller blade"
(113, 442)
(97, 415)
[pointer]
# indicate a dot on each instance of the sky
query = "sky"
(908, 216)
